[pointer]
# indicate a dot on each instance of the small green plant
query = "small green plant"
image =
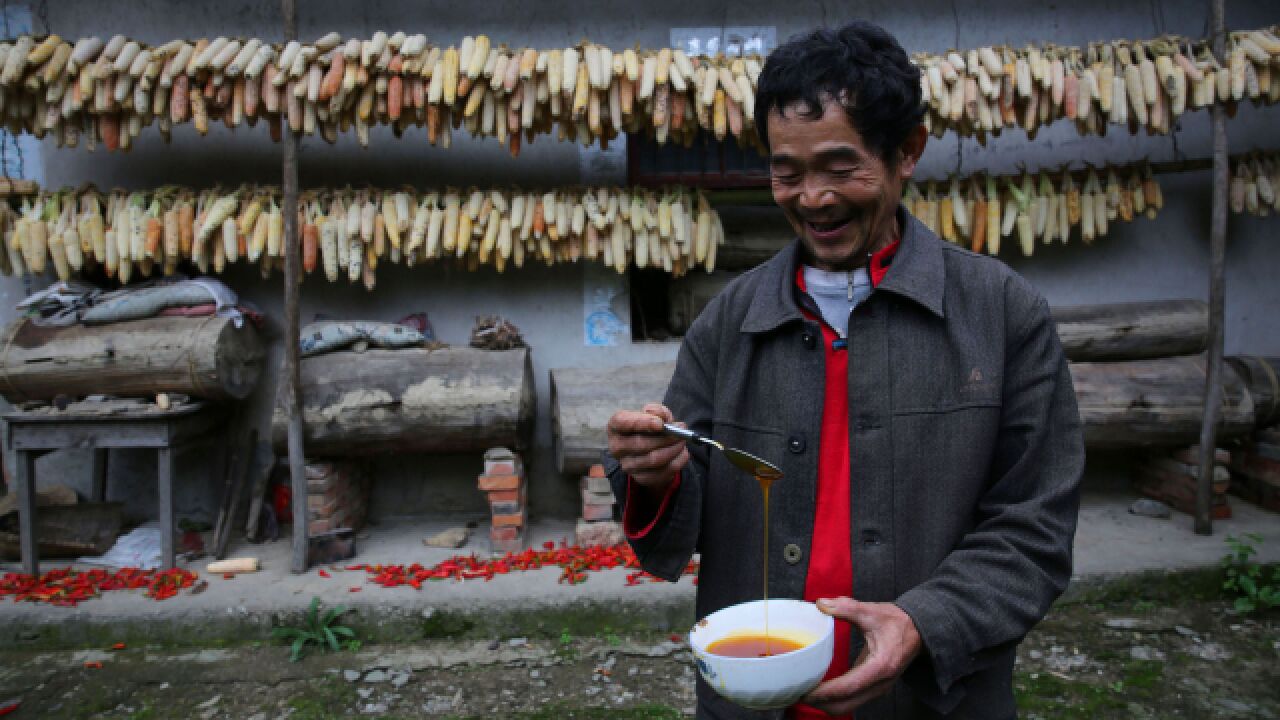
(1246, 579)
(317, 629)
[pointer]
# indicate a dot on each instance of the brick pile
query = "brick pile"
(503, 480)
(1255, 469)
(337, 497)
(1172, 479)
(597, 526)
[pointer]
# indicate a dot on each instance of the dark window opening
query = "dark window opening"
(708, 163)
(650, 305)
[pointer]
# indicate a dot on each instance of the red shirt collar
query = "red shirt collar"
(877, 268)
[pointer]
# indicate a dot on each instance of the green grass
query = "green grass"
(557, 711)
(1051, 696)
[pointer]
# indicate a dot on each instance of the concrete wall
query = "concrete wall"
(1144, 260)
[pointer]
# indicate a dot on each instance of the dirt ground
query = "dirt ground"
(1168, 649)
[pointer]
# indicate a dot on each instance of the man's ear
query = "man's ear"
(910, 151)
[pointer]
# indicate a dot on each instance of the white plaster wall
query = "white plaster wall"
(1144, 260)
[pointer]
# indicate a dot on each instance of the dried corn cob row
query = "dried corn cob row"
(1255, 183)
(348, 232)
(979, 210)
(106, 92)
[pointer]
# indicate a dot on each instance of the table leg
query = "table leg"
(25, 469)
(99, 474)
(164, 465)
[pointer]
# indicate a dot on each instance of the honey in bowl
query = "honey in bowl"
(753, 645)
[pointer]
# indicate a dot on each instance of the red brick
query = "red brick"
(597, 498)
(503, 540)
(595, 486)
(319, 471)
(510, 520)
(1191, 456)
(501, 461)
(489, 483)
(504, 496)
(607, 532)
(325, 510)
(504, 533)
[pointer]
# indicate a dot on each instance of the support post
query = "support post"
(1217, 258)
(292, 290)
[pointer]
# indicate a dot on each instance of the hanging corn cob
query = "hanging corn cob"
(353, 230)
(106, 92)
(977, 211)
(1255, 179)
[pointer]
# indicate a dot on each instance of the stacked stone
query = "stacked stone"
(503, 480)
(597, 526)
(337, 497)
(1255, 470)
(1173, 478)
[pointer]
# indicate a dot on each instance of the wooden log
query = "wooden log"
(1262, 376)
(207, 357)
(582, 399)
(412, 400)
(1142, 403)
(1133, 331)
(1154, 403)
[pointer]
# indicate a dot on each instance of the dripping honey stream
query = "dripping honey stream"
(765, 473)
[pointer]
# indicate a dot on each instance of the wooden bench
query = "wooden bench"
(170, 432)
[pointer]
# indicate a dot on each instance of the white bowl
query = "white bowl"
(766, 683)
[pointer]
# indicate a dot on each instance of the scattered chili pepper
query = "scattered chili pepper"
(324, 574)
(93, 665)
(574, 561)
(118, 646)
(10, 706)
(353, 589)
(67, 587)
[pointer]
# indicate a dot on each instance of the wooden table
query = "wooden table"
(169, 432)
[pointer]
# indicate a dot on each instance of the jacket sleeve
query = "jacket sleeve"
(668, 543)
(1008, 569)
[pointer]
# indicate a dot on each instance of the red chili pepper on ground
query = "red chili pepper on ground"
(93, 665)
(118, 646)
(324, 574)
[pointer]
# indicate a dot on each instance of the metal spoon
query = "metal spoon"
(740, 458)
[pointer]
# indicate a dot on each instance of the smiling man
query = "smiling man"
(914, 394)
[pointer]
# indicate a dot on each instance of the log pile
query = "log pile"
(1139, 382)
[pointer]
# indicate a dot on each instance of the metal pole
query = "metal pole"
(1217, 258)
(292, 287)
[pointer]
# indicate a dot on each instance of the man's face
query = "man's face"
(838, 194)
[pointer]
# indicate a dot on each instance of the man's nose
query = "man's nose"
(814, 194)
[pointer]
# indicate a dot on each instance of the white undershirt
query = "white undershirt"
(837, 294)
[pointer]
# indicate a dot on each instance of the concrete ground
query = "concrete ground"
(1109, 541)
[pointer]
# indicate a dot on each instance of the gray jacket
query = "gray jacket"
(966, 457)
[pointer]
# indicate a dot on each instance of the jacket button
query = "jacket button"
(791, 553)
(796, 444)
(871, 537)
(808, 339)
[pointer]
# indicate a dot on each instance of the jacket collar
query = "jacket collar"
(916, 273)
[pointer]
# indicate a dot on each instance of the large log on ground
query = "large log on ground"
(582, 400)
(1262, 376)
(1133, 331)
(1152, 403)
(1141, 403)
(207, 357)
(413, 400)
